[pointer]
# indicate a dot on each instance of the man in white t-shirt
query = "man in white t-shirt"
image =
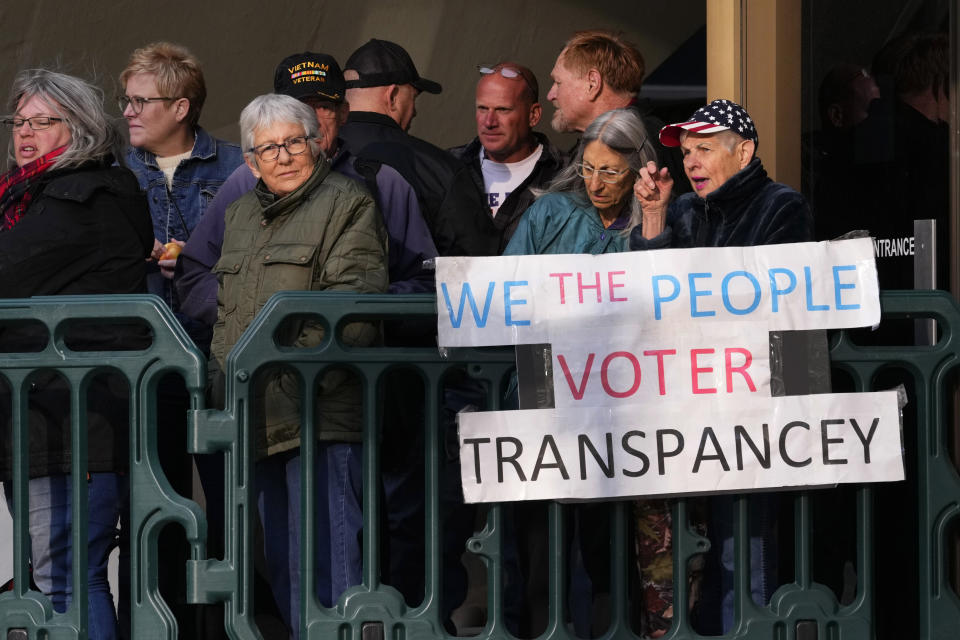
(507, 157)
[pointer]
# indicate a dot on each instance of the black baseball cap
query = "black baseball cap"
(306, 75)
(379, 63)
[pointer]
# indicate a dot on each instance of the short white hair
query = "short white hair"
(271, 108)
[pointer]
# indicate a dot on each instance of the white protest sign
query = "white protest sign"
(625, 365)
(667, 448)
(520, 299)
(661, 371)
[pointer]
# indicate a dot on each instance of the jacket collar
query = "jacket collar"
(204, 148)
(274, 206)
(341, 156)
(739, 189)
(549, 154)
(371, 117)
(78, 183)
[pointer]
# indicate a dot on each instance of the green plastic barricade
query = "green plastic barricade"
(370, 610)
(28, 614)
(803, 608)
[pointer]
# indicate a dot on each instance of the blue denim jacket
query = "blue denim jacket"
(177, 211)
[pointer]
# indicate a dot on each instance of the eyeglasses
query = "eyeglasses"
(36, 123)
(608, 176)
(508, 73)
(271, 151)
(137, 103)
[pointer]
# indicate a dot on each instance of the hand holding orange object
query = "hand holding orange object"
(168, 261)
(171, 250)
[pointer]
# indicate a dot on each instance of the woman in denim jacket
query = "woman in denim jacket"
(180, 167)
(178, 164)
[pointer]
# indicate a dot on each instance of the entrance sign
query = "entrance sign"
(661, 371)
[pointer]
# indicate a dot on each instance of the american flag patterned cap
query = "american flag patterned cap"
(719, 115)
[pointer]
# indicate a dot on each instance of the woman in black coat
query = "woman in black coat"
(70, 223)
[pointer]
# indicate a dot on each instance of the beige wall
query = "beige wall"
(240, 43)
(753, 47)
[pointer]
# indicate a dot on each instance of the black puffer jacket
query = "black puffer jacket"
(748, 209)
(86, 231)
(451, 204)
(509, 214)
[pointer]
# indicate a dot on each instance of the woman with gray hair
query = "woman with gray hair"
(589, 207)
(301, 228)
(70, 223)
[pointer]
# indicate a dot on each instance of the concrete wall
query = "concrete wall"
(240, 43)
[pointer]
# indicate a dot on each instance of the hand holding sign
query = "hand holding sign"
(652, 189)
(661, 370)
(523, 299)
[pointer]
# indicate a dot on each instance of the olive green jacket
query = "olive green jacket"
(325, 236)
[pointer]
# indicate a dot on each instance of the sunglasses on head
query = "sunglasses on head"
(507, 72)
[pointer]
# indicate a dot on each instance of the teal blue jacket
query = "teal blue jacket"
(561, 223)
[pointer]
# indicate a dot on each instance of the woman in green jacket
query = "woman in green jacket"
(301, 228)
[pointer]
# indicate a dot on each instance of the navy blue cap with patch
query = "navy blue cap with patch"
(309, 75)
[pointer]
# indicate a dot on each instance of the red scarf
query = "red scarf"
(15, 186)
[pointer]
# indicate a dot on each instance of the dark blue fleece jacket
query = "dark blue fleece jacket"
(748, 209)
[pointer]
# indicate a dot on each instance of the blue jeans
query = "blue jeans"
(339, 518)
(52, 554)
(762, 523)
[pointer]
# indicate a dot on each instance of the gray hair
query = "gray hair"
(622, 130)
(93, 135)
(272, 108)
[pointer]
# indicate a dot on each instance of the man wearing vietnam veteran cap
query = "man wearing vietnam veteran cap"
(735, 204)
(382, 87)
(315, 79)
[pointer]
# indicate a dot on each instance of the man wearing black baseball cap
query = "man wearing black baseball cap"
(381, 62)
(316, 79)
(382, 87)
(733, 204)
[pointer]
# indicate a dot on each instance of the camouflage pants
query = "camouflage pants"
(654, 547)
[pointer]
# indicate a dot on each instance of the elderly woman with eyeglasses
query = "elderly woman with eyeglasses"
(302, 228)
(589, 207)
(71, 222)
